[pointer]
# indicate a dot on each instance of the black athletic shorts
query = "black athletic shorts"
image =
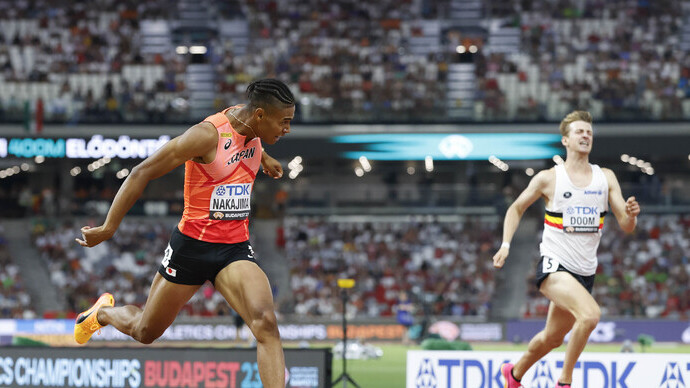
(586, 281)
(191, 261)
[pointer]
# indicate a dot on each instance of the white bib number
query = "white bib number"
(166, 256)
(549, 265)
(230, 202)
(581, 219)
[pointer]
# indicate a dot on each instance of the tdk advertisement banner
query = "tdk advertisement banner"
(454, 369)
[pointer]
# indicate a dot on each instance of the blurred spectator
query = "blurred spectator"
(122, 266)
(449, 260)
(15, 302)
(404, 314)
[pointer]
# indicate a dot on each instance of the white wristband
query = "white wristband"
(505, 245)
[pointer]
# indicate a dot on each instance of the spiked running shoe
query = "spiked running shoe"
(507, 372)
(87, 322)
(559, 385)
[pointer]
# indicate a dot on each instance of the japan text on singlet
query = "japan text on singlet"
(217, 194)
(572, 226)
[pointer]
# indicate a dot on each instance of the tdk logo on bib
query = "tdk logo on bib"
(582, 210)
(238, 189)
(231, 190)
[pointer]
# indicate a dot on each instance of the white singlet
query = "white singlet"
(572, 226)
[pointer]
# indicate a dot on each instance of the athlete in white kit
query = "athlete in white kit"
(577, 196)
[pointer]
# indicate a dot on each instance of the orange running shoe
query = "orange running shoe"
(87, 323)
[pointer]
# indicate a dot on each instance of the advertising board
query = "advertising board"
(468, 369)
(154, 367)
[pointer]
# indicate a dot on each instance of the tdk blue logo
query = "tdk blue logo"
(239, 189)
(582, 210)
(231, 190)
(426, 376)
(673, 378)
(543, 378)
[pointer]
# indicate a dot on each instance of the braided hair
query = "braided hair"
(269, 92)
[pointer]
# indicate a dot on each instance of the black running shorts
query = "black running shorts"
(191, 261)
(586, 281)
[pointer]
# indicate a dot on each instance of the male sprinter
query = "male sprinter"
(222, 156)
(577, 196)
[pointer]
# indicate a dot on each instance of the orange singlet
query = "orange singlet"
(217, 195)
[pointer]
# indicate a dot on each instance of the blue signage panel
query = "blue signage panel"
(95, 147)
(613, 331)
(466, 146)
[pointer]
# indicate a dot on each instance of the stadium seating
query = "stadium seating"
(385, 61)
(445, 265)
(15, 301)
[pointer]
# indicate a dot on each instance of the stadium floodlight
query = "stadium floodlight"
(198, 50)
(182, 50)
(365, 163)
(429, 163)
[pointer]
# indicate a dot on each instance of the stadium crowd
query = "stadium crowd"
(351, 61)
(123, 266)
(15, 302)
(447, 265)
(74, 56)
(624, 60)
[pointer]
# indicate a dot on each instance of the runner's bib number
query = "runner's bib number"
(581, 219)
(230, 202)
(549, 265)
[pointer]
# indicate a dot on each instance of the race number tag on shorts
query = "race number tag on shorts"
(549, 265)
(230, 202)
(581, 219)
